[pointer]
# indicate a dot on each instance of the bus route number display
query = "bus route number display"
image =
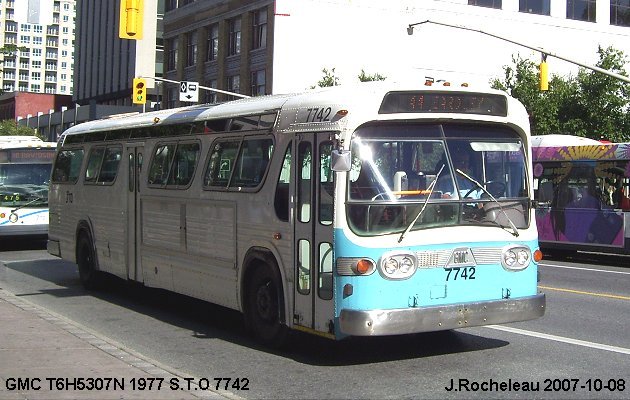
(444, 102)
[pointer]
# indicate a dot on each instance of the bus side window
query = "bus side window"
(184, 164)
(220, 163)
(162, 157)
(67, 166)
(281, 200)
(109, 167)
(94, 164)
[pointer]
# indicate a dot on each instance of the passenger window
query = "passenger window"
(109, 168)
(252, 163)
(160, 164)
(184, 164)
(221, 163)
(281, 200)
(67, 166)
(238, 163)
(94, 164)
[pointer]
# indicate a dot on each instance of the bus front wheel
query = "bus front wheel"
(86, 262)
(264, 307)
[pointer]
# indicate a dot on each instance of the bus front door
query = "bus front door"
(134, 168)
(313, 216)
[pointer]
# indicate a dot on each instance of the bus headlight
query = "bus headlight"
(397, 265)
(516, 258)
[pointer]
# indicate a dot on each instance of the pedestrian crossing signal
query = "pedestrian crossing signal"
(139, 95)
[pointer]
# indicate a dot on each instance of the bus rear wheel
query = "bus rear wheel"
(86, 261)
(264, 307)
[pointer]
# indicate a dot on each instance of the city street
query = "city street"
(579, 349)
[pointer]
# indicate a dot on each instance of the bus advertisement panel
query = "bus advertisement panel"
(584, 197)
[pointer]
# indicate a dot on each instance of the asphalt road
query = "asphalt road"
(579, 349)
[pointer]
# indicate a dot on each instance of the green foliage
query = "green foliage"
(329, 78)
(10, 128)
(591, 105)
(363, 77)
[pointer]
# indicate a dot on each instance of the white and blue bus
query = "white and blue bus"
(339, 212)
(25, 165)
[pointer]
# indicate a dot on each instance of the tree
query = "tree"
(8, 127)
(363, 77)
(592, 104)
(329, 78)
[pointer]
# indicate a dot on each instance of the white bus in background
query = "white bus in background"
(337, 211)
(25, 164)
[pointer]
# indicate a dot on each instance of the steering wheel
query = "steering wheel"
(497, 188)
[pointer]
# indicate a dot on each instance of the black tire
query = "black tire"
(86, 261)
(265, 307)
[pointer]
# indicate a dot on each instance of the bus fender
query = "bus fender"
(259, 254)
(84, 227)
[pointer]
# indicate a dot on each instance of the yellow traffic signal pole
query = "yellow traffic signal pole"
(541, 50)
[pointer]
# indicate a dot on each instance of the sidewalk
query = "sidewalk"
(45, 356)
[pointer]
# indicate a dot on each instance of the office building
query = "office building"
(256, 47)
(44, 30)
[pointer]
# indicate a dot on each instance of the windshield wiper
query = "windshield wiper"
(514, 229)
(424, 205)
(28, 204)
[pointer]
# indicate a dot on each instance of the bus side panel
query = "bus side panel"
(189, 247)
(63, 219)
(109, 223)
(211, 241)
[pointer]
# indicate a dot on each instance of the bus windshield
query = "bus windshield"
(478, 172)
(24, 185)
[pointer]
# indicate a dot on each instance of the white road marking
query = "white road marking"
(584, 269)
(562, 339)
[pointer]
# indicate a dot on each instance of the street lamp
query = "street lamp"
(410, 30)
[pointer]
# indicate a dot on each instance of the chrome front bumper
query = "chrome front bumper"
(426, 319)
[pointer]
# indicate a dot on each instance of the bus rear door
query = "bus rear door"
(134, 233)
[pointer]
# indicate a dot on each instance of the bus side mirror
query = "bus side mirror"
(340, 160)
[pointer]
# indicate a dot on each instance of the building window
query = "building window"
(234, 36)
(35, 88)
(485, 3)
(211, 96)
(171, 5)
(259, 29)
(36, 76)
(171, 61)
(172, 95)
(233, 85)
(213, 42)
(258, 83)
(581, 10)
(620, 12)
(25, 39)
(534, 6)
(191, 48)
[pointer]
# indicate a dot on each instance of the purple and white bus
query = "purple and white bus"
(583, 191)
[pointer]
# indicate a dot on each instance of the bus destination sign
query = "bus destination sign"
(444, 102)
(31, 155)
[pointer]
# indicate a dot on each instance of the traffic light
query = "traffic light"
(544, 74)
(139, 94)
(131, 19)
